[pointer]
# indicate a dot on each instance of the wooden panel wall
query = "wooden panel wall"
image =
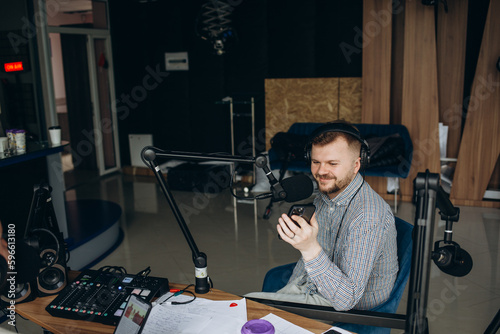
(420, 109)
(413, 74)
(451, 42)
(376, 108)
(310, 100)
(480, 145)
(398, 29)
(377, 27)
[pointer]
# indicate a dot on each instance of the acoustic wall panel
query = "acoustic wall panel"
(480, 145)
(377, 27)
(451, 43)
(420, 109)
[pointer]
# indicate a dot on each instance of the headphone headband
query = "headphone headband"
(336, 127)
(344, 128)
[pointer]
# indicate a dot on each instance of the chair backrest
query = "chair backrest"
(405, 243)
(277, 277)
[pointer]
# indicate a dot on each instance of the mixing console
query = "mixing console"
(101, 296)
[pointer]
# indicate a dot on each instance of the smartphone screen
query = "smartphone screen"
(134, 315)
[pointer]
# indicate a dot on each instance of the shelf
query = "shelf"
(33, 150)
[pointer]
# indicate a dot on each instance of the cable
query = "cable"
(113, 269)
(145, 272)
(347, 208)
(260, 196)
(177, 292)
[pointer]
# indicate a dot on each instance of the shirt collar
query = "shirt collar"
(345, 196)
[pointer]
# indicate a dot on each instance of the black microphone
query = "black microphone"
(291, 189)
(297, 188)
(452, 259)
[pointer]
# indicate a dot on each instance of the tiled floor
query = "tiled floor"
(241, 247)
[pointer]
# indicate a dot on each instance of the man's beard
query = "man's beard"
(337, 186)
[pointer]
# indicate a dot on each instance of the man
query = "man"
(349, 250)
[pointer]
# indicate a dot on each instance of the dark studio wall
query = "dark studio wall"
(275, 39)
(21, 101)
(21, 107)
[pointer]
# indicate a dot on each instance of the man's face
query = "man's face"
(334, 166)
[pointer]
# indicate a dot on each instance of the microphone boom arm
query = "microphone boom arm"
(149, 156)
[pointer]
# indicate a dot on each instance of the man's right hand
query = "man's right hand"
(302, 237)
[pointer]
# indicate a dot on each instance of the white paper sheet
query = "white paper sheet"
(164, 320)
(208, 317)
(213, 317)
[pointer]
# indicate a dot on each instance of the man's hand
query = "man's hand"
(303, 238)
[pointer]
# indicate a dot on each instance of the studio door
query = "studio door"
(91, 121)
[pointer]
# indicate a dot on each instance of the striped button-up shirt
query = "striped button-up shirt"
(358, 264)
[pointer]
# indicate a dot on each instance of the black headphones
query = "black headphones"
(344, 128)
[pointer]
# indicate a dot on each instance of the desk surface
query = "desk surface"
(35, 312)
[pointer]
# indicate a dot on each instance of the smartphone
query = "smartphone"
(133, 316)
(306, 211)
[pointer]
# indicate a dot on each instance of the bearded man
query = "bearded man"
(349, 249)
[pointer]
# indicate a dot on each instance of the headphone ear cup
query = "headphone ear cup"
(365, 155)
(364, 159)
(307, 154)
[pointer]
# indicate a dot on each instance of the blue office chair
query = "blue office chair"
(277, 278)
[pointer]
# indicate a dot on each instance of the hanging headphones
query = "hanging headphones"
(346, 128)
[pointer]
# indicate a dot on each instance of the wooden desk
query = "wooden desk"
(35, 312)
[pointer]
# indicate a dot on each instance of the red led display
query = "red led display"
(13, 67)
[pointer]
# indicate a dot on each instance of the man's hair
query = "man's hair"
(328, 137)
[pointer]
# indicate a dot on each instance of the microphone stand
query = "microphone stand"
(425, 186)
(448, 213)
(429, 195)
(150, 154)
